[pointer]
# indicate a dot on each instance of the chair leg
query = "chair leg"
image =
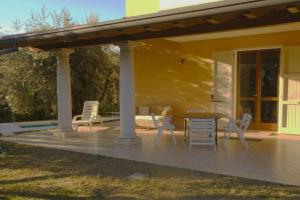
(185, 130)
(157, 137)
(226, 136)
(172, 135)
(90, 127)
(229, 130)
(242, 139)
(190, 143)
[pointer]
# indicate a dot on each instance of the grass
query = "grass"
(28, 172)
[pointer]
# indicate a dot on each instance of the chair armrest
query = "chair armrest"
(168, 122)
(97, 118)
(76, 117)
(238, 121)
(234, 120)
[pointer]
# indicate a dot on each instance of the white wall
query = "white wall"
(169, 4)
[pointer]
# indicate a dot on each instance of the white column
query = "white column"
(127, 96)
(64, 98)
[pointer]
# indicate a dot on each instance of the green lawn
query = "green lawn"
(28, 172)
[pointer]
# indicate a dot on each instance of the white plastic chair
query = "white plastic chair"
(89, 115)
(186, 120)
(164, 124)
(238, 126)
(202, 132)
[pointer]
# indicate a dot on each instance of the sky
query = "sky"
(79, 9)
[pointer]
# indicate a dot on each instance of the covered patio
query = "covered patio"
(270, 157)
(203, 19)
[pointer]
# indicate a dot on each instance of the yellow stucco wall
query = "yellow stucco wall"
(163, 78)
(139, 7)
(170, 4)
(256, 41)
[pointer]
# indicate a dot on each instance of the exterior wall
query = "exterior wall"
(138, 7)
(180, 74)
(207, 47)
(288, 109)
(169, 4)
(165, 75)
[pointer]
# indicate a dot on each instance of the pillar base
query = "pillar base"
(64, 134)
(128, 141)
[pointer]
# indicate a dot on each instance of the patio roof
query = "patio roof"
(206, 18)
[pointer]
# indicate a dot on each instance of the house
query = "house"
(227, 56)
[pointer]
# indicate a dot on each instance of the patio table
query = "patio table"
(201, 115)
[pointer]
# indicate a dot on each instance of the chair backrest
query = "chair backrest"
(165, 111)
(90, 109)
(165, 116)
(164, 121)
(155, 122)
(245, 122)
(202, 126)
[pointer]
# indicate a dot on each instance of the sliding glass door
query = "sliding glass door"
(258, 87)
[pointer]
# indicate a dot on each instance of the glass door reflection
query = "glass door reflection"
(258, 87)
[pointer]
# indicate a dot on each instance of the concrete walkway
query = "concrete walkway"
(274, 158)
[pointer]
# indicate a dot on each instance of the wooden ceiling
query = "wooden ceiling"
(166, 27)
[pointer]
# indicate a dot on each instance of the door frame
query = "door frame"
(284, 75)
(280, 80)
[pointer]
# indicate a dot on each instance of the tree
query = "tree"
(95, 77)
(29, 84)
(92, 18)
(28, 80)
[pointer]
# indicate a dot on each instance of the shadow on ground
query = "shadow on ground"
(28, 172)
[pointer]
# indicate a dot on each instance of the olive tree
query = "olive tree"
(28, 78)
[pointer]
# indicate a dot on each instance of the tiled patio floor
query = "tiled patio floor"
(269, 157)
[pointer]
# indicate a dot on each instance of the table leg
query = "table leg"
(216, 137)
(185, 130)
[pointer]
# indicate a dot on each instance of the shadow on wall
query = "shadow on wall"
(165, 75)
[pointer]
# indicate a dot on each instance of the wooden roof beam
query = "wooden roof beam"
(179, 24)
(257, 14)
(213, 21)
(150, 28)
(89, 36)
(218, 19)
(250, 15)
(293, 9)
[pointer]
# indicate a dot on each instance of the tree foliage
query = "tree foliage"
(29, 84)
(28, 78)
(95, 77)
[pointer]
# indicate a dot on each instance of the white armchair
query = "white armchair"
(164, 124)
(89, 115)
(238, 126)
